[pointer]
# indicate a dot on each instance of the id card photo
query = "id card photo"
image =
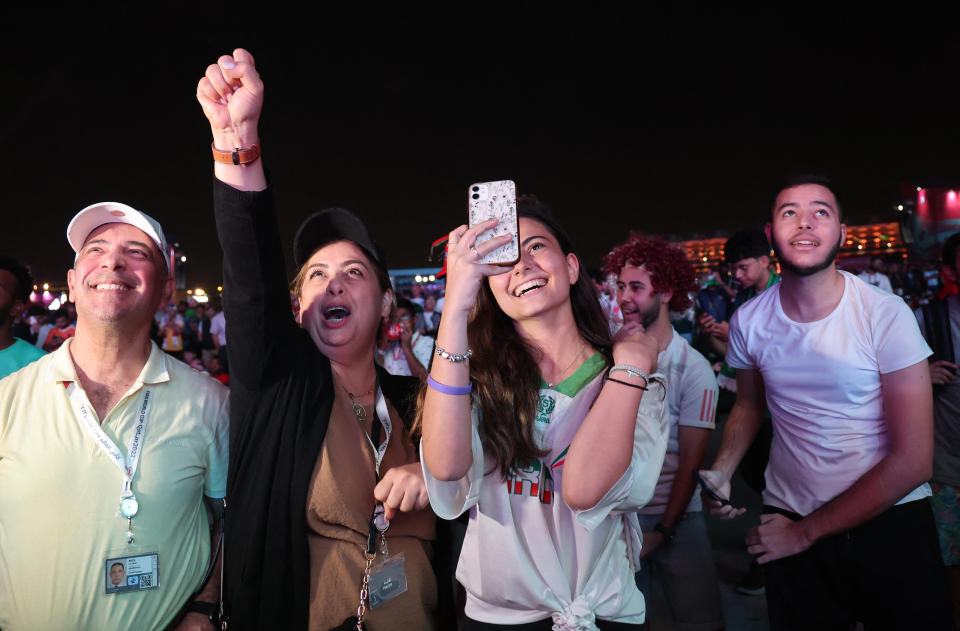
(132, 573)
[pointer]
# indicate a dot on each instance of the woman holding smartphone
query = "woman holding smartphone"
(549, 435)
(319, 435)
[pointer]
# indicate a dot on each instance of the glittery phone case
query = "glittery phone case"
(496, 199)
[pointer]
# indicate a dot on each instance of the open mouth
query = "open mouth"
(804, 243)
(529, 286)
(336, 313)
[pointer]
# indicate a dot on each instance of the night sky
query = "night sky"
(672, 122)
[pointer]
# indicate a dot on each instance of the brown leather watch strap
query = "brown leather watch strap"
(238, 156)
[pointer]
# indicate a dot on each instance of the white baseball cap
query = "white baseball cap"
(96, 215)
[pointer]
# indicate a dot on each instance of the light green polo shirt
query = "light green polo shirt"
(59, 495)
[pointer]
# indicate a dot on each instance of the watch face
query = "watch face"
(129, 506)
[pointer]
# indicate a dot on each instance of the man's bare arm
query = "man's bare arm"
(741, 428)
(908, 409)
(692, 446)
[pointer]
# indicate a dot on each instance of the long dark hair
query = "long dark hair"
(504, 369)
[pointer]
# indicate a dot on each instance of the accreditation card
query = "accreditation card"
(131, 573)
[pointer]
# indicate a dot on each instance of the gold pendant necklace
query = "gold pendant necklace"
(358, 410)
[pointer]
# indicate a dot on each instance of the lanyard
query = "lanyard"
(381, 414)
(378, 523)
(128, 466)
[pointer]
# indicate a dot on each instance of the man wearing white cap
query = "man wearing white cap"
(107, 448)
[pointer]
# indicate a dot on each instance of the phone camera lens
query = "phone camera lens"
(475, 189)
(475, 196)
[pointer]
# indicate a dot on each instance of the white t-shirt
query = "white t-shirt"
(395, 361)
(42, 335)
(218, 327)
(692, 397)
(877, 279)
(823, 388)
(527, 555)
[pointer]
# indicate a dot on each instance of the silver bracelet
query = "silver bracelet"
(633, 371)
(451, 357)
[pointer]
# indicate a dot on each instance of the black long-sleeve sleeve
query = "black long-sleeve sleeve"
(280, 398)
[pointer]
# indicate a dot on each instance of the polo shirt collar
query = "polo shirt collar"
(61, 368)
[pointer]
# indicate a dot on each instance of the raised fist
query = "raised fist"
(231, 94)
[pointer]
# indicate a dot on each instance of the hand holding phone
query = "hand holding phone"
(487, 200)
(715, 489)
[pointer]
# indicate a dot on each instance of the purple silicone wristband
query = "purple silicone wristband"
(440, 387)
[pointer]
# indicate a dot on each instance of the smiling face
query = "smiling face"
(639, 302)
(341, 302)
(119, 276)
(806, 232)
(540, 281)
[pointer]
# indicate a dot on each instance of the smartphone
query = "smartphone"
(496, 199)
(709, 490)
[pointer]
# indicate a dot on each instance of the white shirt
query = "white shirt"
(823, 388)
(877, 279)
(218, 327)
(395, 361)
(42, 335)
(692, 397)
(527, 555)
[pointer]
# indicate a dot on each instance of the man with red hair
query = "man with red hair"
(654, 278)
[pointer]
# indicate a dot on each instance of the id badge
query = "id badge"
(131, 573)
(388, 579)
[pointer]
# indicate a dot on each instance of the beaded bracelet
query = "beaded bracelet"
(633, 371)
(451, 357)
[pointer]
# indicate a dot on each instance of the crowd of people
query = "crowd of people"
(524, 452)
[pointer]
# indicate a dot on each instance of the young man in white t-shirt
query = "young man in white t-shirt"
(874, 275)
(846, 533)
(654, 278)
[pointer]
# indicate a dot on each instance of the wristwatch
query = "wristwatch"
(238, 156)
(667, 532)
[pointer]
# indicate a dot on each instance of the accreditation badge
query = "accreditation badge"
(388, 579)
(131, 573)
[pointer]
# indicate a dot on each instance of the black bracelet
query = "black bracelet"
(667, 532)
(203, 607)
(632, 385)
